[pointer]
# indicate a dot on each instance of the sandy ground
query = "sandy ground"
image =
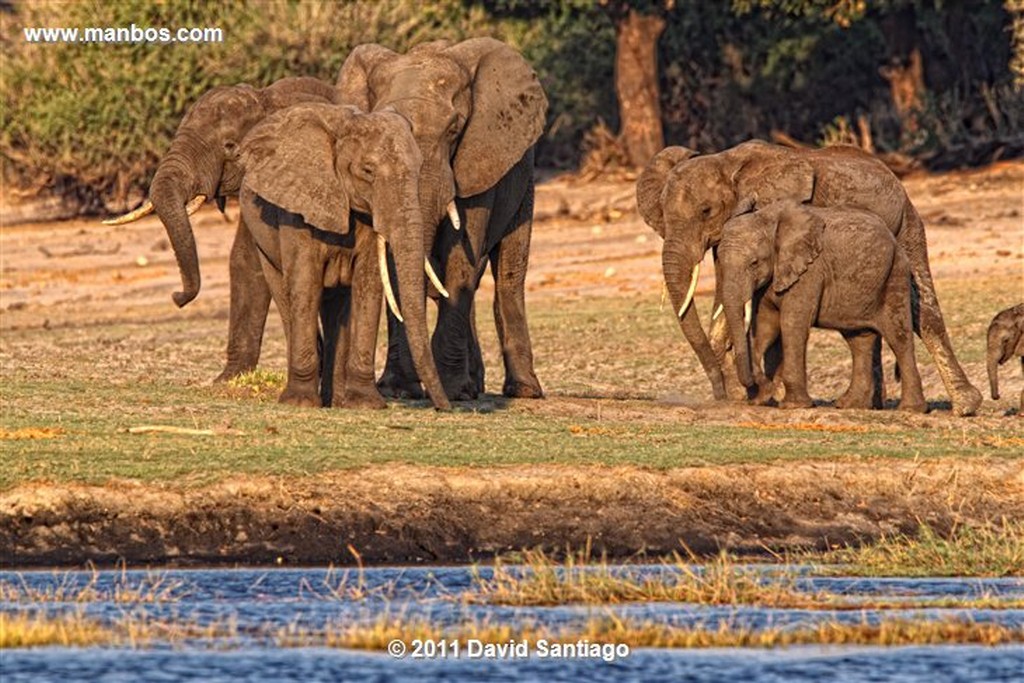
(588, 243)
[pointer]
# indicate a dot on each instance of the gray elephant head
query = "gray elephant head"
(475, 108)
(202, 161)
(324, 161)
(687, 199)
(748, 261)
(1005, 340)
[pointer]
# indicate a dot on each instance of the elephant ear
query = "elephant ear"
(767, 176)
(353, 82)
(509, 109)
(289, 161)
(798, 241)
(651, 185)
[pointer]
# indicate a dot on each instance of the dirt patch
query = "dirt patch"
(407, 514)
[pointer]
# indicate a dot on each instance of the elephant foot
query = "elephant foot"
(796, 402)
(765, 394)
(855, 401)
(393, 385)
(918, 406)
(463, 389)
(365, 398)
(966, 400)
(522, 389)
(232, 371)
(303, 398)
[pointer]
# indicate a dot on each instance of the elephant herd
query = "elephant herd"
(413, 172)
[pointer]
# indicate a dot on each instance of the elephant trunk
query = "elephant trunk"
(678, 264)
(733, 304)
(188, 169)
(400, 218)
(992, 361)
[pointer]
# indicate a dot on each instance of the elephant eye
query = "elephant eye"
(365, 171)
(230, 147)
(705, 211)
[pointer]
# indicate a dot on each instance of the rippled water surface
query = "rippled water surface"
(261, 603)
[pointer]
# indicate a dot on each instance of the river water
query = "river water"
(259, 605)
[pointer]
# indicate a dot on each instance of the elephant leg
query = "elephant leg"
(765, 340)
(510, 259)
(399, 379)
(865, 348)
(476, 357)
(250, 302)
(930, 324)
(303, 282)
(360, 390)
(894, 322)
(335, 309)
(451, 343)
(797, 317)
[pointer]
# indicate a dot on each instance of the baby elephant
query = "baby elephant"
(803, 267)
(1005, 340)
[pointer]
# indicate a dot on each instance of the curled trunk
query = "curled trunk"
(401, 220)
(188, 169)
(678, 266)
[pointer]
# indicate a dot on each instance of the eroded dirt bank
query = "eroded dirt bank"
(406, 514)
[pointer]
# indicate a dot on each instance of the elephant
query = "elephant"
(1005, 340)
(800, 266)
(476, 109)
(687, 199)
(314, 174)
(201, 163)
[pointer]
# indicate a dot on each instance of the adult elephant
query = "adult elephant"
(687, 199)
(476, 109)
(203, 163)
(308, 170)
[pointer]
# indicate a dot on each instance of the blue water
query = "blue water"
(262, 602)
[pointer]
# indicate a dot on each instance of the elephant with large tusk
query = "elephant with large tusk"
(687, 199)
(202, 163)
(314, 175)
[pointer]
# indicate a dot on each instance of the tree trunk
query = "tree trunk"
(905, 68)
(636, 85)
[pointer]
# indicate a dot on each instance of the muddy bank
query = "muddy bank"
(405, 514)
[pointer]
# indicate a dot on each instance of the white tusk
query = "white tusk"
(690, 291)
(433, 277)
(144, 210)
(194, 205)
(718, 312)
(748, 309)
(453, 214)
(382, 261)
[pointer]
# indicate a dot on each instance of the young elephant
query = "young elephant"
(306, 168)
(833, 268)
(1005, 340)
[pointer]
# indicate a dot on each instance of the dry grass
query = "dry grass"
(20, 630)
(539, 580)
(151, 589)
(991, 550)
(890, 632)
